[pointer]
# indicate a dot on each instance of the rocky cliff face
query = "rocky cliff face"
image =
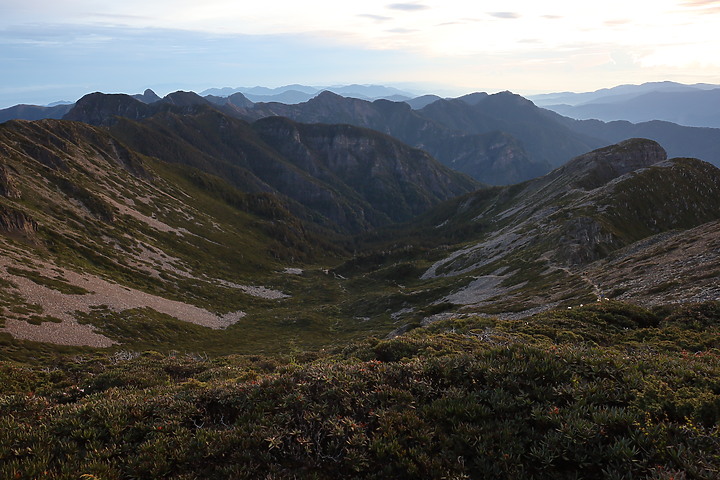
(14, 222)
(345, 178)
(396, 181)
(488, 156)
(8, 187)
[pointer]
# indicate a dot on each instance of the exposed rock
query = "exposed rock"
(7, 184)
(15, 222)
(598, 167)
(584, 240)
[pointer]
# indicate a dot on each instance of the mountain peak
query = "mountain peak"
(327, 95)
(184, 99)
(102, 108)
(148, 96)
(600, 166)
(473, 98)
(509, 98)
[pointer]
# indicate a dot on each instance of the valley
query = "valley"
(232, 289)
(182, 221)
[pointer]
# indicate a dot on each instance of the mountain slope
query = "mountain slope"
(549, 143)
(487, 156)
(102, 245)
(105, 246)
(531, 245)
(205, 138)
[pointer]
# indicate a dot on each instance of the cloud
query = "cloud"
(613, 23)
(402, 30)
(553, 17)
(407, 7)
(119, 17)
(86, 58)
(377, 18)
(509, 15)
(701, 3)
(702, 6)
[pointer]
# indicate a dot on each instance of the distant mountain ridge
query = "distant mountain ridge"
(618, 93)
(482, 151)
(692, 108)
(34, 112)
(301, 93)
(688, 105)
(497, 139)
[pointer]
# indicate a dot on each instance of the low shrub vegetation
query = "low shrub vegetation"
(607, 391)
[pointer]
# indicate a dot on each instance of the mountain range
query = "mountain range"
(302, 93)
(197, 204)
(688, 105)
(497, 139)
(209, 287)
(187, 208)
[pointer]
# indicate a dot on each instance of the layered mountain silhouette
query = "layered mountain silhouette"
(33, 112)
(497, 139)
(352, 178)
(301, 93)
(181, 216)
(694, 108)
(228, 292)
(616, 94)
(486, 154)
(689, 105)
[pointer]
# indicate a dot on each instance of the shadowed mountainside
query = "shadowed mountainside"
(324, 186)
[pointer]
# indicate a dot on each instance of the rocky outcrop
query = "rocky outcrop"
(103, 109)
(7, 184)
(598, 167)
(584, 240)
(15, 222)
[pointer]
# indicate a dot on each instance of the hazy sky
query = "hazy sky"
(59, 50)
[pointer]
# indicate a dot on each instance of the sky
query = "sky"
(54, 50)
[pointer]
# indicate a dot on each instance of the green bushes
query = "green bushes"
(470, 398)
